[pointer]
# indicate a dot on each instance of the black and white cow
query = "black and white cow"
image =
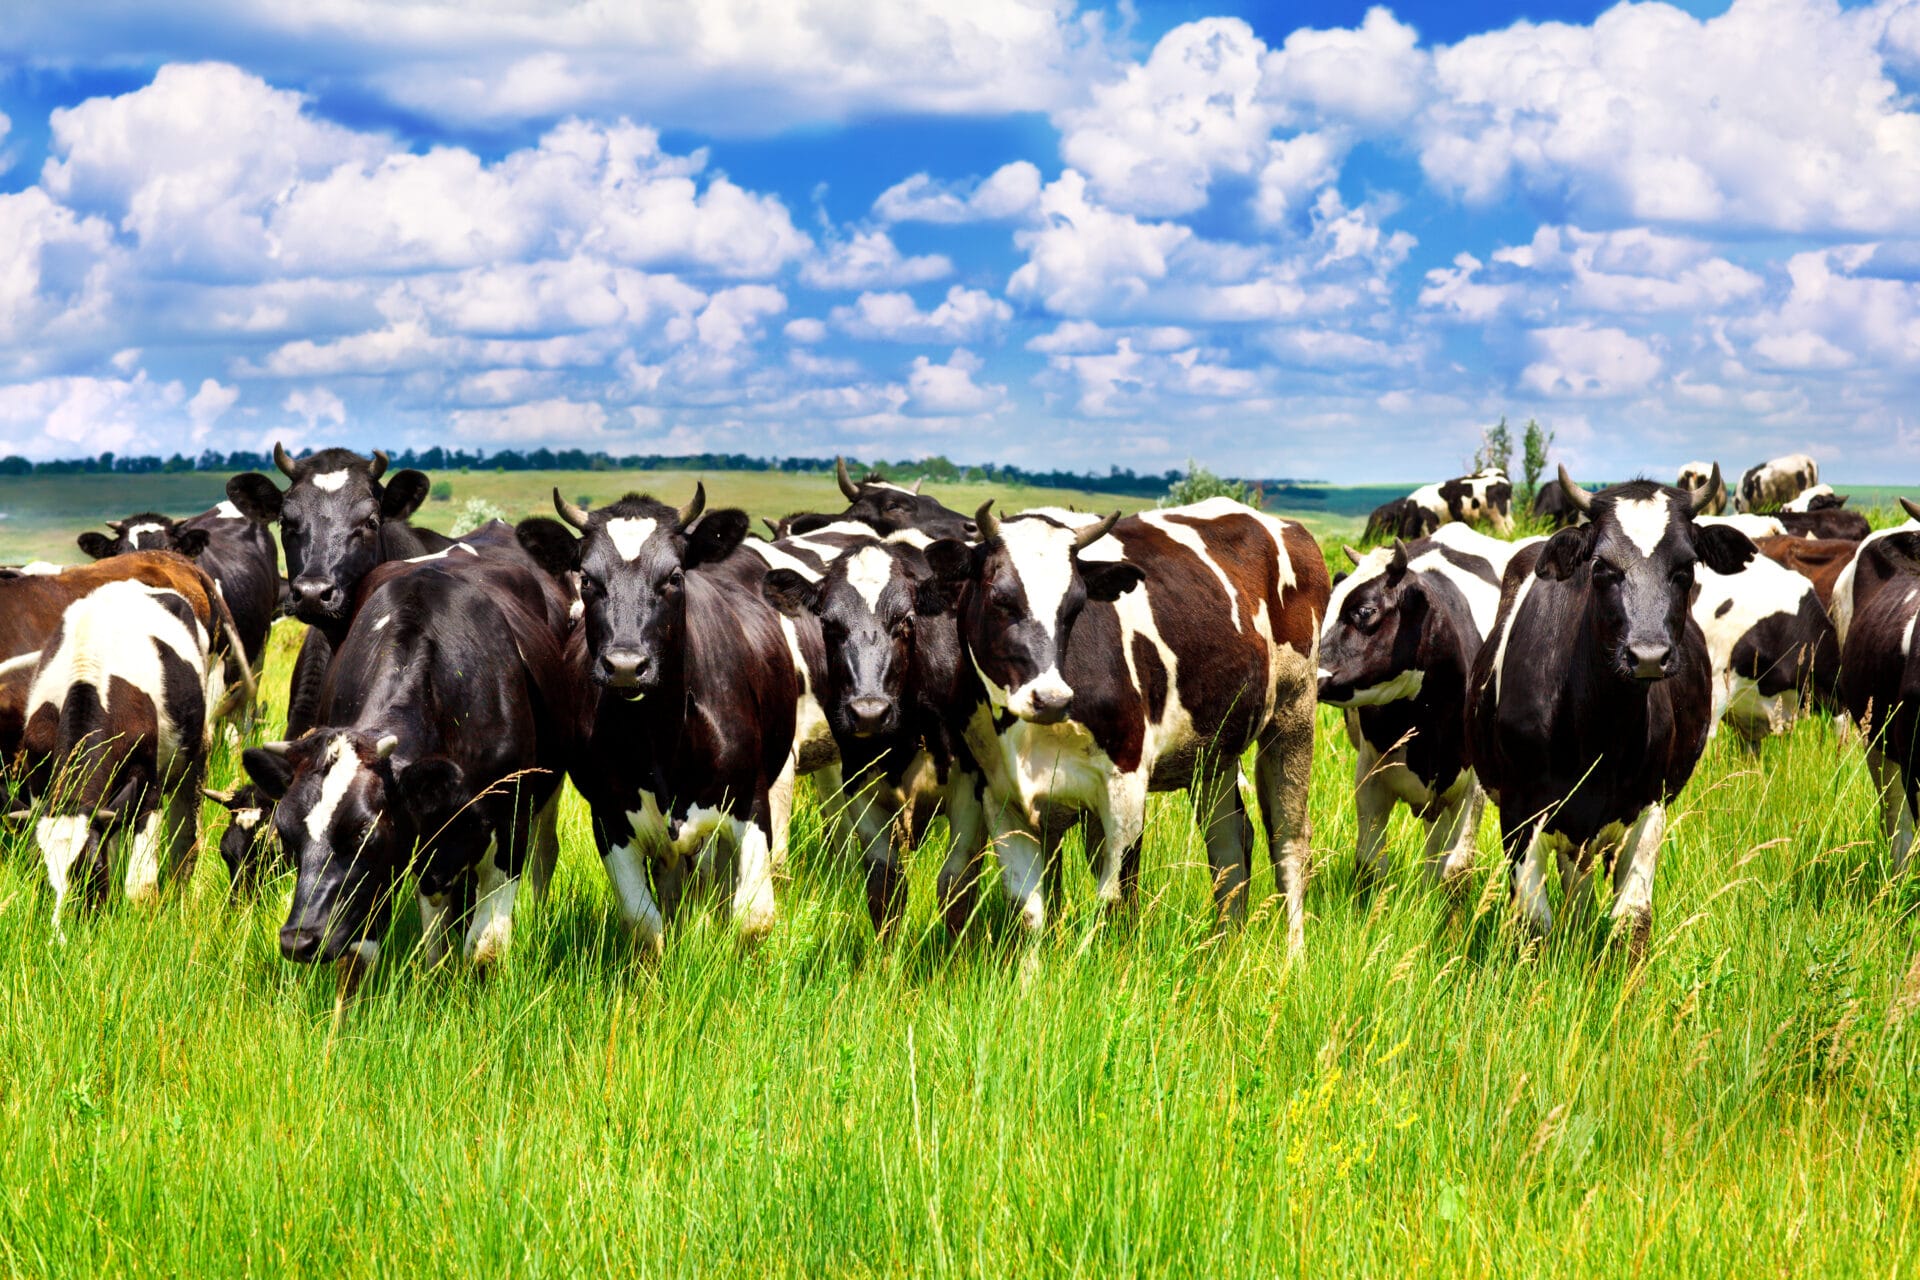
(446, 729)
(1876, 606)
(249, 846)
(1771, 485)
(1485, 496)
(116, 737)
(1400, 636)
(1590, 702)
(1402, 518)
(239, 554)
(1828, 522)
(1771, 645)
(1700, 481)
(884, 507)
(689, 737)
(894, 668)
(1121, 656)
(1550, 503)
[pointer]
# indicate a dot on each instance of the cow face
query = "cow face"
(148, 531)
(869, 604)
(632, 559)
(1636, 556)
(330, 518)
(248, 846)
(1020, 591)
(886, 509)
(1369, 645)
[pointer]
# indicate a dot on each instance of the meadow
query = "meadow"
(1137, 1095)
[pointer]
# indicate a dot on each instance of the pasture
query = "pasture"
(1136, 1096)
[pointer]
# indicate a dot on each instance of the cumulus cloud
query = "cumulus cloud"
(1009, 192)
(314, 406)
(870, 260)
(64, 417)
(1567, 270)
(949, 390)
(966, 315)
(549, 421)
(1584, 360)
(54, 273)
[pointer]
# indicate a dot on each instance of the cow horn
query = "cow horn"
(217, 796)
(1582, 500)
(19, 815)
(1699, 498)
(575, 516)
(379, 463)
(988, 522)
(276, 748)
(104, 818)
(847, 486)
(118, 526)
(1911, 507)
(914, 488)
(1354, 554)
(385, 746)
(698, 503)
(281, 460)
(1094, 532)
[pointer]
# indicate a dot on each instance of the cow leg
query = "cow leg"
(780, 812)
(966, 847)
(1020, 870)
(491, 930)
(436, 918)
(1528, 878)
(1373, 805)
(627, 873)
(1451, 838)
(64, 845)
(875, 823)
(1896, 811)
(183, 826)
(1633, 872)
(1283, 772)
(143, 858)
(543, 847)
(753, 890)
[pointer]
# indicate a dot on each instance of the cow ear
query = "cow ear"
(1896, 553)
(933, 597)
(549, 544)
(790, 593)
(1108, 580)
(271, 771)
(190, 542)
(96, 544)
(257, 497)
(714, 537)
(807, 522)
(951, 560)
(433, 787)
(404, 494)
(1564, 553)
(1722, 548)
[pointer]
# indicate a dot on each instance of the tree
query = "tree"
(1199, 484)
(1534, 444)
(1496, 447)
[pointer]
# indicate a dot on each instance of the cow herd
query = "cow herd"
(1019, 674)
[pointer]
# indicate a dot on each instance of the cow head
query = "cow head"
(870, 603)
(633, 558)
(148, 531)
(1019, 591)
(248, 846)
(886, 509)
(1636, 555)
(330, 517)
(1369, 645)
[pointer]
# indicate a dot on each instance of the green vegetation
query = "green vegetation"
(1199, 484)
(1141, 1096)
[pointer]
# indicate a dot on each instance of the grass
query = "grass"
(1151, 1097)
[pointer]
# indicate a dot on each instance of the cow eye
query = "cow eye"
(372, 521)
(1606, 574)
(590, 586)
(671, 582)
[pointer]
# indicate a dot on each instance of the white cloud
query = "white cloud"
(949, 390)
(69, 417)
(732, 317)
(1582, 360)
(54, 273)
(870, 260)
(1835, 315)
(966, 315)
(208, 405)
(1009, 192)
(806, 329)
(1566, 270)
(1125, 381)
(1083, 337)
(550, 421)
(315, 405)
(1371, 76)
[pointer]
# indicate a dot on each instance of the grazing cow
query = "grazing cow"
(1771, 485)
(1819, 560)
(1486, 495)
(1754, 527)
(1589, 704)
(1877, 610)
(1116, 657)
(689, 738)
(249, 846)
(1826, 522)
(447, 724)
(1820, 497)
(237, 553)
(884, 507)
(1550, 503)
(1696, 479)
(1770, 643)
(115, 731)
(894, 667)
(1402, 518)
(1400, 636)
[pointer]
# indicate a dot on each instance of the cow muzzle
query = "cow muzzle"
(315, 599)
(627, 670)
(869, 715)
(1648, 662)
(1043, 700)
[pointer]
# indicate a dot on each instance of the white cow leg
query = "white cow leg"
(436, 916)
(1451, 841)
(753, 891)
(1633, 873)
(780, 814)
(1530, 883)
(966, 848)
(1373, 805)
(1021, 872)
(1122, 821)
(491, 931)
(1896, 814)
(627, 873)
(143, 859)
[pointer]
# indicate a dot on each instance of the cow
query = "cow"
(1550, 504)
(1698, 478)
(1877, 609)
(116, 732)
(248, 846)
(1755, 527)
(238, 554)
(1402, 518)
(1819, 560)
(1486, 495)
(1114, 657)
(1820, 497)
(1589, 704)
(1771, 646)
(1771, 485)
(1826, 522)
(445, 733)
(894, 666)
(1400, 635)
(884, 507)
(686, 737)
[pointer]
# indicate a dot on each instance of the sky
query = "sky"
(1022, 231)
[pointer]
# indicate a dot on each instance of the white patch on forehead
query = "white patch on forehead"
(868, 572)
(329, 481)
(1644, 520)
(227, 511)
(629, 535)
(1371, 566)
(247, 819)
(158, 532)
(342, 762)
(1041, 555)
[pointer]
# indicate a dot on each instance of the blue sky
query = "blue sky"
(1016, 230)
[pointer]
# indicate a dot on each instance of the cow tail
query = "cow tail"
(224, 617)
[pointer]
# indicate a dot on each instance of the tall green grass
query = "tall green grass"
(1417, 1096)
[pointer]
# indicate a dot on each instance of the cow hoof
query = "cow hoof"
(491, 948)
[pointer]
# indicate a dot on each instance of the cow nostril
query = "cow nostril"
(972, 529)
(300, 945)
(869, 711)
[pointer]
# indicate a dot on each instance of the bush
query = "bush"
(1199, 484)
(442, 491)
(473, 513)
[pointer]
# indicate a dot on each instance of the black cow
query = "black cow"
(690, 736)
(894, 668)
(238, 553)
(1880, 669)
(446, 728)
(1552, 504)
(249, 846)
(1825, 522)
(1403, 518)
(1590, 703)
(884, 507)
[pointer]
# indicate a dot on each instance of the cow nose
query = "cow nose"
(972, 530)
(1649, 661)
(623, 667)
(300, 944)
(314, 594)
(1050, 705)
(868, 714)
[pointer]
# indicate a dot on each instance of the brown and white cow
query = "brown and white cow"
(1819, 560)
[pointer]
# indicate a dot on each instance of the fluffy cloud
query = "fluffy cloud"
(949, 390)
(54, 273)
(870, 260)
(1009, 192)
(68, 417)
(1582, 360)
(550, 421)
(1837, 314)
(966, 315)
(1566, 270)
(314, 406)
